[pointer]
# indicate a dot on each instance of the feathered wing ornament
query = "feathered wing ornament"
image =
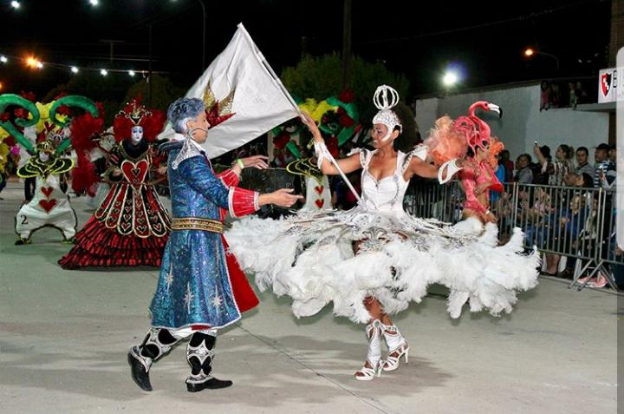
(84, 176)
(218, 112)
(85, 129)
(495, 148)
(444, 142)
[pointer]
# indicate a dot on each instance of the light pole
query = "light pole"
(203, 6)
(346, 43)
(529, 52)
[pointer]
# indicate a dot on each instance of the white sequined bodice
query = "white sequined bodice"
(387, 193)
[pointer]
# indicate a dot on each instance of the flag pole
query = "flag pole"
(343, 175)
(279, 83)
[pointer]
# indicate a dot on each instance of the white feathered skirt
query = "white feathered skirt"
(311, 258)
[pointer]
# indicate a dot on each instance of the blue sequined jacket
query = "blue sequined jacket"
(194, 287)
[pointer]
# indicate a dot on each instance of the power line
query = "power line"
(38, 65)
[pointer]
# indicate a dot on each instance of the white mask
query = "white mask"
(44, 156)
(137, 134)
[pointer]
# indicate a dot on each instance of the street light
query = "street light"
(94, 2)
(103, 72)
(131, 73)
(530, 52)
(3, 59)
(33, 62)
(450, 79)
(74, 69)
(15, 4)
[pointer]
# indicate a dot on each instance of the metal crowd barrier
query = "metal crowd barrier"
(578, 223)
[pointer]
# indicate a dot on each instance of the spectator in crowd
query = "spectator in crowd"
(508, 164)
(500, 175)
(558, 168)
(607, 180)
(604, 169)
(572, 94)
(535, 216)
(589, 240)
(524, 175)
(582, 164)
(573, 220)
(555, 95)
(574, 179)
(612, 153)
(540, 174)
(581, 95)
(544, 96)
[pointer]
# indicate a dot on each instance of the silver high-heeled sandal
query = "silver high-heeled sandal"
(397, 347)
(373, 357)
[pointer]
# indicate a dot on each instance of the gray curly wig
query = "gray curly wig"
(183, 110)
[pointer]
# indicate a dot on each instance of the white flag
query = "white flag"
(244, 87)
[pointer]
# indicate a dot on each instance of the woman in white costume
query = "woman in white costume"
(372, 260)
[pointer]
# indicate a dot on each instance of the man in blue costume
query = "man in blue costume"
(201, 288)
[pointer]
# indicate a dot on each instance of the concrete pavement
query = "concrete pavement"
(64, 336)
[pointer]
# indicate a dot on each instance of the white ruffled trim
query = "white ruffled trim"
(231, 202)
(310, 258)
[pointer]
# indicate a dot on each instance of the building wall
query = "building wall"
(522, 123)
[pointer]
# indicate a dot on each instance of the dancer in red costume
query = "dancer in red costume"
(470, 137)
(478, 175)
(131, 226)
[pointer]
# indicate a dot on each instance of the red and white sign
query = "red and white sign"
(608, 90)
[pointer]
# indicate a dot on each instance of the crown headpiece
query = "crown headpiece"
(45, 146)
(56, 136)
(385, 99)
(134, 112)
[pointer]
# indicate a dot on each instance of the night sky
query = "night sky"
(483, 38)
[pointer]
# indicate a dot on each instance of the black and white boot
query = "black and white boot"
(200, 354)
(156, 344)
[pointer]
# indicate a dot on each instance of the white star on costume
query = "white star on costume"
(188, 297)
(216, 301)
(169, 279)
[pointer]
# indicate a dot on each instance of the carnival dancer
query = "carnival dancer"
(469, 137)
(374, 259)
(201, 288)
(131, 226)
(50, 206)
(317, 194)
